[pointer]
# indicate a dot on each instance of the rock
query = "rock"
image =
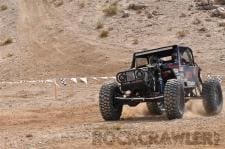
(183, 15)
(136, 6)
(205, 4)
(29, 135)
(222, 2)
(125, 14)
(219, 12)
(149, 15)
(154, 12)
(203, 29)
(196, 21)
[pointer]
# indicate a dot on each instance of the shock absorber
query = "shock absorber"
(160, 83)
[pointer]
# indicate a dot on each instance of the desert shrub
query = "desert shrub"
(135, 41)
(104, 34)
(3, 7)
(181, 34)
(111, 10)
(99, 25)
(6, 41)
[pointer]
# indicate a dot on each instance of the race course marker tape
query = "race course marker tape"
(85, 80)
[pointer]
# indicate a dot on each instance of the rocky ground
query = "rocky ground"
(45, 39)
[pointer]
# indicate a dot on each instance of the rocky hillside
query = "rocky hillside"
(61, 38)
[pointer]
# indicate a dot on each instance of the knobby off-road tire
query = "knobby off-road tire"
(155, 108)
(174, 99)
(110, 108)
(212, 96)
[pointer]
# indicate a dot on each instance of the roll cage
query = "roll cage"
(165, 51)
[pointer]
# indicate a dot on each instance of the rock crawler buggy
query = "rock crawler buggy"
(165, 78)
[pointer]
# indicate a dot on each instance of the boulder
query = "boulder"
(219, 12)
(136, 6)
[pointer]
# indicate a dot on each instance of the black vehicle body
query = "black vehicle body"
(146, 83)
(165, 78)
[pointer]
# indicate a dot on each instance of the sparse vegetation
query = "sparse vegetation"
(7, 41)
(111, 10)
(104, 34)
(135, 41)
(99, 25)
(116, 127)
(222, 2)
(9, 55)
(183, 15)
(82, 4)
(3, 7)
(58, 3)
(181, 34)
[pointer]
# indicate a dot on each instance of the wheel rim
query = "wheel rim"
(161, 106)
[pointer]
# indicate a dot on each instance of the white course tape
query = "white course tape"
(74, 80)
(85, 80)
(218, 77)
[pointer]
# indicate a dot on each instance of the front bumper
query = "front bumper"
(140, 99)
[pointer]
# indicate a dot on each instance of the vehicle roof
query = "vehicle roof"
(147, 52)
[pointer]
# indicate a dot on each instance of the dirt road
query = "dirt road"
(32, 117)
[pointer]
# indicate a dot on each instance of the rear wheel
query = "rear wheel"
(212, 96)
(174, 99)
(155, 108)
(110, 108)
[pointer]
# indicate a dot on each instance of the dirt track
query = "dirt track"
(32, 117)
(54, 42)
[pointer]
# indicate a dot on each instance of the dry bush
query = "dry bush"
(104, 34)
(99, 25)
(135, 41)
(3, 7)
(222, 2)
(82, 4)
(58, 3)
(221, 24)
(9, 55)
(111, 10)
(181, 34)
(6, 41)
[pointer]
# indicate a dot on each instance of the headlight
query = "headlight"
(121, 77)
(140, 74)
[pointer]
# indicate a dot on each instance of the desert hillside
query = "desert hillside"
(49, 38)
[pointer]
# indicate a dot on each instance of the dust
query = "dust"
(193, 108)
(138, 111)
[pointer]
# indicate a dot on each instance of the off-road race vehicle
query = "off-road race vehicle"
(165, 78)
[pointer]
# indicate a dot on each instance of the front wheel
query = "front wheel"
(212, 96)
(174, 99)
(110, 107)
